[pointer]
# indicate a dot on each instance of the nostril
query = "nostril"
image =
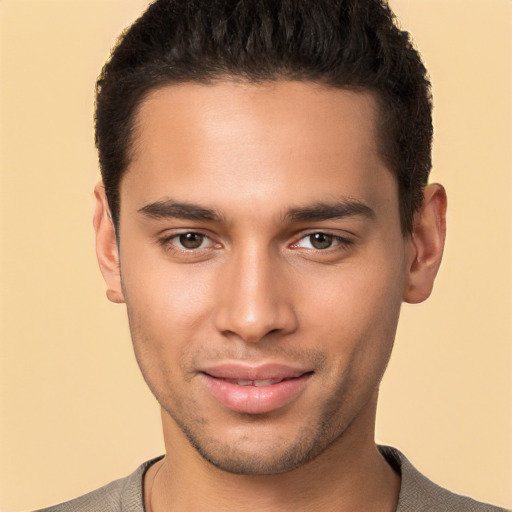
(254, 317)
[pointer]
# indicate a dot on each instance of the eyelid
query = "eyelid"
(341, 240)
(165, 240)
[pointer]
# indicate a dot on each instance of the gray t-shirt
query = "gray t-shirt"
(417, 493)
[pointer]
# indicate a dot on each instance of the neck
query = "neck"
(349, 475)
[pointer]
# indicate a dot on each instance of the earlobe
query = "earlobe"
(426, 245)
(107, 250)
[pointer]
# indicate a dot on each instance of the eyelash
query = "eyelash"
(337, 242)
(166, 242)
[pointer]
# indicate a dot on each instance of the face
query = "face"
(262, 265)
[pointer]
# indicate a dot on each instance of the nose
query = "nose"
(255, 299)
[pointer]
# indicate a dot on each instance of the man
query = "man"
(264, 211)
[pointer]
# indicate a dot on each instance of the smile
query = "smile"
(255, 390)
(259, 383)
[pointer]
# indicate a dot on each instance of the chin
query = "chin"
(252, 463)
(260, 453)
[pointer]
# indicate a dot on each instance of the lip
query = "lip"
(234, 386)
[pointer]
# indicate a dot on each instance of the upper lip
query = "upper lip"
(246, 372)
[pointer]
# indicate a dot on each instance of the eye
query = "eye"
(321, 241)
(191, 240)
(187, 241)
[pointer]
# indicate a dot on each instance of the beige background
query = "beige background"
(75, 413)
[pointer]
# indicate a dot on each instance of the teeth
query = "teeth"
(267, 382)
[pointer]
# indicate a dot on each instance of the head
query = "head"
(264, 216)
(341, 44)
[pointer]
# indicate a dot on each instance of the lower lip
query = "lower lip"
(256, 399)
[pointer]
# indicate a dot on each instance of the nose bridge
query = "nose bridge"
(254, 301)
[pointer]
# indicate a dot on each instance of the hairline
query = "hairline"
(242, 79)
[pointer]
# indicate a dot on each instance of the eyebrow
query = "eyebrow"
(316, 212)
(179, 210)
(328, 211)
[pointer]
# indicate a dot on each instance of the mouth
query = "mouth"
(255, 390)
(257, 383)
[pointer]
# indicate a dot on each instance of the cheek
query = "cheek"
(163, 331)
(354, 295)
(165, 294)
(354, 315)
(168, 310)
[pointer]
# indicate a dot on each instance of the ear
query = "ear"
(426, 245)
(107, 251)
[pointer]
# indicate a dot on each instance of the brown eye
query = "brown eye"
(321, 240)
(191, 240)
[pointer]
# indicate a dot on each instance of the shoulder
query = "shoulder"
(120, 495)
(419, 494)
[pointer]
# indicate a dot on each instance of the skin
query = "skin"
(272, 165)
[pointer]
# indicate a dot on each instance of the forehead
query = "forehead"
(281, 139)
